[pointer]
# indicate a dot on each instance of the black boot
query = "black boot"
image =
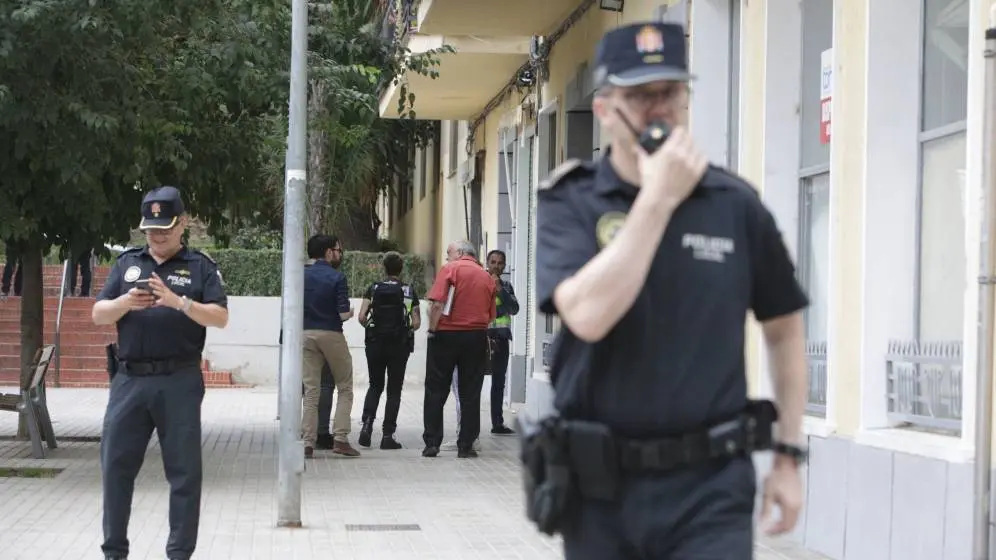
(365, 432)
(388, 441)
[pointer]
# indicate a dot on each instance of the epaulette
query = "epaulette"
(204, 254)
(129, 251)
(563, 171)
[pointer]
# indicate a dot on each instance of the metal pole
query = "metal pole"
(290, 446)
(987, 277)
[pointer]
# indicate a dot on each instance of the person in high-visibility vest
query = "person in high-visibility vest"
(500, 338)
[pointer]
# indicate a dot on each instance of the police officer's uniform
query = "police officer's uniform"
(157, 384)
(673, 366)
(388, 341)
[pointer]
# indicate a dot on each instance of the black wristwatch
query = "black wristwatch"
(798, 454)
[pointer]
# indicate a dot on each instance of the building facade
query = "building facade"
(859, 121)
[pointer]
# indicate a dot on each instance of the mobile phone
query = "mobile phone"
(652, 137)
(143, 284)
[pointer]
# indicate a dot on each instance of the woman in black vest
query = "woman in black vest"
(390, 314)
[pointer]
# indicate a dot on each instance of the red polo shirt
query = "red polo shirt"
(474, 297)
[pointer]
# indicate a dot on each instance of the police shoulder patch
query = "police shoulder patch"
(561, 172)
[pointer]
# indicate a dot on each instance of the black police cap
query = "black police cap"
(161, 208)
(641, 53)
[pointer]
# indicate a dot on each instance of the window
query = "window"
(814, 196)
(814, 243)
(423, 171)
(945, 62)
(944, 108)
(454, 147)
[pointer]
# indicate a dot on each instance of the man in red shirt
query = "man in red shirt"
(462, 304)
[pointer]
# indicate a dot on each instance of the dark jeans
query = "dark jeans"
(499, 371)
(81, 262)
(12, 264)
(704, 513)
(325, 401)
(467, 351)
(170, 405)
(386, 358)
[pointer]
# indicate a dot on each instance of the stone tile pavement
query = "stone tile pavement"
(462, 509)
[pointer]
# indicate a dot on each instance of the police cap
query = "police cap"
(641, 53)
(161, 208)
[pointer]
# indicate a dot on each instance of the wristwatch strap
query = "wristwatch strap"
(796, 452)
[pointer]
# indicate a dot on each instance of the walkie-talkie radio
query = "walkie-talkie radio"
(652, 137)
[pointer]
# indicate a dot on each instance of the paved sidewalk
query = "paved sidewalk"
(441, 509)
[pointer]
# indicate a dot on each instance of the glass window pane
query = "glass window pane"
(945, 62)
(817, 36)
(942, 239)
(815, 253)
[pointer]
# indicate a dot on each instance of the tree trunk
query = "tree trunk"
(32, 316)
(317, 154)
(357, 230)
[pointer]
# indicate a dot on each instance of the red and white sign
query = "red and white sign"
(826, 92)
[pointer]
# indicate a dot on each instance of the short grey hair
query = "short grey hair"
(464, 247)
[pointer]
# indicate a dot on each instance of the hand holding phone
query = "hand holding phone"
(143, 284)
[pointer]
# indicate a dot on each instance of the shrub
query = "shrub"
(249, 272)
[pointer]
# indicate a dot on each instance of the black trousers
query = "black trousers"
(170, 405)
(701, 513)
(467, 351)
(499, 375)
(385, 359)
(13, 264)
(81, 262)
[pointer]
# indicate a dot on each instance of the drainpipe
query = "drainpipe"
(987, 279)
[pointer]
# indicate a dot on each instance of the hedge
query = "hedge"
(250, 272)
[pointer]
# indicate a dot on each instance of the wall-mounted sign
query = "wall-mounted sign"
(826, 92)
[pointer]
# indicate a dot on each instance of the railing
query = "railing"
(58, 319)
(400, 15)
(924, 384)
(816, 359)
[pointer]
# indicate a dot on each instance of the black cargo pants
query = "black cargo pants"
(170, 405)
(700, 513)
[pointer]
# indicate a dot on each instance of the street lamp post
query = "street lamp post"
(290, 446)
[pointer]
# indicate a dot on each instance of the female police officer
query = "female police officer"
(652, 259)
(161, 297)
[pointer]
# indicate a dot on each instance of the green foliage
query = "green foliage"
(258, 272)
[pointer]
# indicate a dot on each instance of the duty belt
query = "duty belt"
(146, 368)
(728, 439)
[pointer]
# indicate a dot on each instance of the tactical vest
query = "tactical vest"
(390, 310)
(502, 321)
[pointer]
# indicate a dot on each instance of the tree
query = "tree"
(101, 101)
(353, 155)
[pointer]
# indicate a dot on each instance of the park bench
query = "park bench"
(31, 402)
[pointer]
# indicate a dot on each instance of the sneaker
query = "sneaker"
(343, 448)
(502, 430)
(388, 442)
(467, 454)
(430, 451)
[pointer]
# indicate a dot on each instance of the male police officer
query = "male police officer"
(652, 259)
(499, 340)
(161, 297)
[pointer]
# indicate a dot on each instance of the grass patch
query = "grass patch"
(29, 472)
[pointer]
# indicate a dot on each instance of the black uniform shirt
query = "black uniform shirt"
(161, 333)
(675, 361)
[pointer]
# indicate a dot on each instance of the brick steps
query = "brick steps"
(82, 362)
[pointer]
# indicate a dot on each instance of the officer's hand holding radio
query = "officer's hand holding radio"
(673, 170)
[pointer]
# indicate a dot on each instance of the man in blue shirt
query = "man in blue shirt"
(326, 307)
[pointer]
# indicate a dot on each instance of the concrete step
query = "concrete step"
(98, 379)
